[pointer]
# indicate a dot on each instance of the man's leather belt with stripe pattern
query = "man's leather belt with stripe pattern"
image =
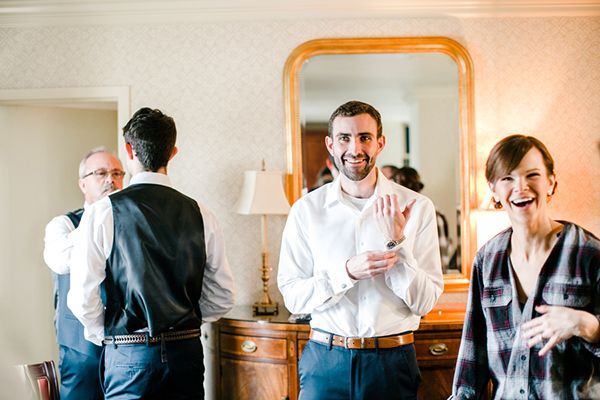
(142, 338)
(381, 342)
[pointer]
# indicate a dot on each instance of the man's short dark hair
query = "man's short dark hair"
(507, 154)
(152, 136)
(352, 108)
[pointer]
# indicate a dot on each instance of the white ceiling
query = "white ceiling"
(53, 12)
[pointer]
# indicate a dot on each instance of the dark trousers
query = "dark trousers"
(79, 375)
(335, 373)
(169, 370)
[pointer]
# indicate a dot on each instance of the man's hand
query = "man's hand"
(391, 220)
(557, 324)
(370, 263)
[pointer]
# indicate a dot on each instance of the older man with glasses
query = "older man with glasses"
(100, 173)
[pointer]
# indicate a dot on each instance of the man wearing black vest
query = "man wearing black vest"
(160, 259)
(100, 173)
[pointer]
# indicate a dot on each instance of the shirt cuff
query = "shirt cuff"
(403, 273)
(340, 281)
(593, 348)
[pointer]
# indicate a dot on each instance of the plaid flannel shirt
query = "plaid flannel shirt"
(492, 346)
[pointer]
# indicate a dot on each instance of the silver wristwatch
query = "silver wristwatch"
(393, 243)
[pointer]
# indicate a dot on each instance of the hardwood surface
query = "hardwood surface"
(436, 343)
(258, 356)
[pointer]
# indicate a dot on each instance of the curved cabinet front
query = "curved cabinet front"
(258, 356)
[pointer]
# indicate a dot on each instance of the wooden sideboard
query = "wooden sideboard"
(258, 356)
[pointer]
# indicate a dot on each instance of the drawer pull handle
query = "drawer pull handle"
(248, 346)
(438, 349)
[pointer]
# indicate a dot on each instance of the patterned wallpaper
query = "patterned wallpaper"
(222, 82)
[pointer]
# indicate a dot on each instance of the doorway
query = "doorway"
(45, 133)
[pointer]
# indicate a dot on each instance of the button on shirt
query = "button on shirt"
(324, 230)
(93, 245)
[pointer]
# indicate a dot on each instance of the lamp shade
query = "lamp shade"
(488, 201)
(490, 223)
(262, 193)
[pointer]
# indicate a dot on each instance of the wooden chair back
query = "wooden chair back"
(43, 379)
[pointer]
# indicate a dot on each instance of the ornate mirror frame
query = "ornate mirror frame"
(453, 282)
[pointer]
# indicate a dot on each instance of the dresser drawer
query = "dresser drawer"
(253, 346)
(437, 349)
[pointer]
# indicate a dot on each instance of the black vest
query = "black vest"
(155, 270)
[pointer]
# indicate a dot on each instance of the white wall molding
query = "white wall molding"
(83, 12)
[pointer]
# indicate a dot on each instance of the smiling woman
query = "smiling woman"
(423, 88)
(534, 297)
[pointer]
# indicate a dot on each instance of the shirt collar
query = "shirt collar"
(150, 177)
(334, 191)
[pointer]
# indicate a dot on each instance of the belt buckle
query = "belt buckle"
(362, 342)
(346, 342)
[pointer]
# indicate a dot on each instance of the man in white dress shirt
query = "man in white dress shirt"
(100, 173)
(159, 257)
(361, 255)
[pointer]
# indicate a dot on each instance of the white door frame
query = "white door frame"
(118, 94)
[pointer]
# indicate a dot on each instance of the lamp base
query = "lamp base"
(265, 308)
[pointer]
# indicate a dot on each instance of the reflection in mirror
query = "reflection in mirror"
(422, 87)
(417, 96)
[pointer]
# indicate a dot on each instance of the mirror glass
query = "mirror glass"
(417, 96)
(421, 86)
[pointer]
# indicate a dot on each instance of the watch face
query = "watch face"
(393, 243)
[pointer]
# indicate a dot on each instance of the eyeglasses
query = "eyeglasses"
(103, 173)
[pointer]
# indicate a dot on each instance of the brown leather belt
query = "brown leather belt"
(142, 338)
(381, 342)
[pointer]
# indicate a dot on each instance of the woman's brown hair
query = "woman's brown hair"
(507, 154)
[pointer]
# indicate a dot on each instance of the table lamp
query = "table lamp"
(262, 194)
(490, 221)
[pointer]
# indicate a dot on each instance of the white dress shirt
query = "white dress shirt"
(324, 230)
(58, 243)
(93, 247)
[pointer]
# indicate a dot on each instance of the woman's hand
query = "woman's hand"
(557, 324)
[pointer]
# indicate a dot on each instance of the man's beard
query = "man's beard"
(352, 173)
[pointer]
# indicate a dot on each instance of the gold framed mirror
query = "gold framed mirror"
(365, 51)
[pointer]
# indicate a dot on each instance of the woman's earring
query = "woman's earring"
(552, 190)
(549, 196)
